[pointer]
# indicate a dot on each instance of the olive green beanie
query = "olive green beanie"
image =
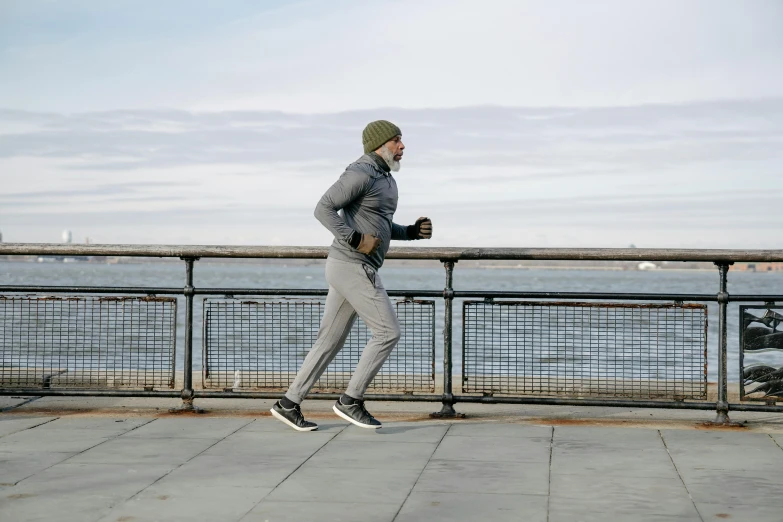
(377, 133)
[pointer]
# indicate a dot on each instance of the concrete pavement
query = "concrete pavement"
(121, 468)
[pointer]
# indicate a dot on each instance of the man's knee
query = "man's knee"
(394, 333)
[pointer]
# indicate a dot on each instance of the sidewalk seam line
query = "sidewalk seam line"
(666, 447)
(775, 441)
(30, 427)
(294, 471)
(402, 504)
(28, 401)
(549, 477)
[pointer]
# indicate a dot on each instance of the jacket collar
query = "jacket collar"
(379, 161)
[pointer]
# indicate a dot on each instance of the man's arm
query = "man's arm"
(422, 229)
(345, 190)
(400, 233)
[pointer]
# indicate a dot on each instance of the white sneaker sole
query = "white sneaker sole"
(286, 421)
(357, 423)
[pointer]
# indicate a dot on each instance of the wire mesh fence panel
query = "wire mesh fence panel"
(87, 342)
(585, 349)
(261, 344)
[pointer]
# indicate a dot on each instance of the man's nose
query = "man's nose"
(402, 146)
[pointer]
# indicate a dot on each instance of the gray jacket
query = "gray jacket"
(364, 200)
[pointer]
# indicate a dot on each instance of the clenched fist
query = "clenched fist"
(424, 227)
(368, 244)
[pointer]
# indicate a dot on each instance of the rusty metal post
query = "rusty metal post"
(722, 405)
(447, 409)
(189, 292)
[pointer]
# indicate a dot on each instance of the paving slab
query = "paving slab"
(572, 436)
(268, 424)
(723, 511)
(125, 450)
(10, 403)
(762, 457)
(188, 428)
(746, 488)
(713, 437)
(279, 511)
(496, 429)
(397, 432)
(464, 476)
(9, 425)
(160, 503)
(448, 507)
(61, 441)
(493, 449)
(75, 492)
(292, 444)
(111, 425)
(107, 480)
(63, 508)
(235, 470)
(642, 495)
(577, 513)
(374, 455)
(17, 466)
(617, 462)
(311, 483)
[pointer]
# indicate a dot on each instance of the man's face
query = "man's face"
(396, 147)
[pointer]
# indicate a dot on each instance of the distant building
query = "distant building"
(67, 236)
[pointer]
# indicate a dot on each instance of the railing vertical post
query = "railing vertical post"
(188, 291)
(447, 409)
(722, 405)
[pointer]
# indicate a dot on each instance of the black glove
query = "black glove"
(422, 229)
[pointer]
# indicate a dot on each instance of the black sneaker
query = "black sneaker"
(292, 417)
(357, 414)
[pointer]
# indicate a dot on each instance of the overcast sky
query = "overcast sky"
(561, 123)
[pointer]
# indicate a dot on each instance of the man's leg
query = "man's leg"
(378, 314)
(336, 324)
(363, 289)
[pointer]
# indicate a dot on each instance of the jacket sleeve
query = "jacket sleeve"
(346, 190)
(401, 233)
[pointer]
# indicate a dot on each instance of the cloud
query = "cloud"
(648, 135)
(99, 190)
(664, 170)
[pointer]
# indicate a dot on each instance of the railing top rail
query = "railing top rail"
(444, 254)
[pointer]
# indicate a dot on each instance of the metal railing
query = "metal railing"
(518, 347)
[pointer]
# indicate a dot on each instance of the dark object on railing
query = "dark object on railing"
(621, 350)
(259, 344)
(761, 373)
(761, 346)
(769, 389)
(87, 342)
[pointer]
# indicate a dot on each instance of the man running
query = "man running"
(358, 209)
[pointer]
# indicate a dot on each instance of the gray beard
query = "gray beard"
(388, 157)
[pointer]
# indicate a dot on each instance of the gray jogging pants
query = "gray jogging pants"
(353, 289)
